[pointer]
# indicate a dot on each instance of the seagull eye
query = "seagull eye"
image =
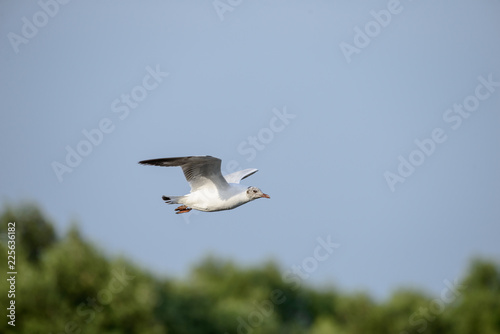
(254, 191)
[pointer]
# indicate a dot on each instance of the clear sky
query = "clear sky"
(373, 124)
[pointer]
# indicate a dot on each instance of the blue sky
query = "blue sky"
(374, 124)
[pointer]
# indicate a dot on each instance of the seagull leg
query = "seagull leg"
(182, 209)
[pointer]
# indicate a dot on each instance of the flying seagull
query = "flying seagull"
(210, 190)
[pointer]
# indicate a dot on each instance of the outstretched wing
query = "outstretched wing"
(200, 171)
(236, 177)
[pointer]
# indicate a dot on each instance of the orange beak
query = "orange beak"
(266, 196)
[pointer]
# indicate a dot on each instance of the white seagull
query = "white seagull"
(210, 191)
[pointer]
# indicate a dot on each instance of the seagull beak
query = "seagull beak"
(266, 196)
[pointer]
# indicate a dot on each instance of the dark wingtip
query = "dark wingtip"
(151, 162)
(165, 198)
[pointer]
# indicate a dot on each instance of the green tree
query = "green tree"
(478, 309)
(34, 232)
(68, 285)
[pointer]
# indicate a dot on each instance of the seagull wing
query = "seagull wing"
(200, 171)
(236, 177)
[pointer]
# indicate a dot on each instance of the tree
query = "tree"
(68, 285)
(34, 231)
(478, 310)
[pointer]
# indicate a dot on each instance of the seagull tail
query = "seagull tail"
(172, 199)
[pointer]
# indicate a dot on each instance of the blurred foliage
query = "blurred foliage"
(66, 285)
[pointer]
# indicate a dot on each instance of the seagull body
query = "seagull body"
(210, 190)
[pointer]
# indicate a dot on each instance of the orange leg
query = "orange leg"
(182, 209)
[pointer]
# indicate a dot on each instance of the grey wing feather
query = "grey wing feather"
(236, 177)
(200, 171)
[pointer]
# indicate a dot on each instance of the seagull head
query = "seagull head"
(254, 193)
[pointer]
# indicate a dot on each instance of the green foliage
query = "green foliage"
(35, 234)
(478, 311)
(67, 285)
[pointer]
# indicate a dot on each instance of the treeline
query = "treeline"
(66, 285)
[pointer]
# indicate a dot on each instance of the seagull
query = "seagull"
(210, 190)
